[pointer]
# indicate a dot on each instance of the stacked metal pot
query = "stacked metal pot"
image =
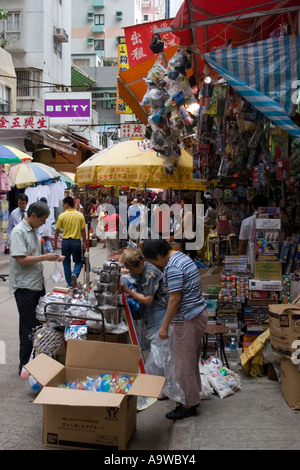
(106, 291)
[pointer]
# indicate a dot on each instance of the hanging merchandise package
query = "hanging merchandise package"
(57, 275)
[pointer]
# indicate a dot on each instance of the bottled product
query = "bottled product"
(234, 353)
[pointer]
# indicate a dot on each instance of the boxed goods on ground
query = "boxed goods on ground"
(83, 418)
(284, 322)
(290, 383)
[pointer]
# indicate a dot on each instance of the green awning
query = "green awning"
(80, 81)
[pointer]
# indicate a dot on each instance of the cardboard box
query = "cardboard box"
(85, 419)
(290, 383)
(255, 284)
(284, 323)
(268, 224)
(267, 270)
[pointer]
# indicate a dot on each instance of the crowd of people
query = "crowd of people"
(166, 280)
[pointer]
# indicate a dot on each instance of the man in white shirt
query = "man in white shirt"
(18, 214)
(248, 226)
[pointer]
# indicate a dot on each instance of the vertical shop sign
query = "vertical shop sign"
(121, 106)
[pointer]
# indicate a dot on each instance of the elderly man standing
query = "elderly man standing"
(26, 272)
(72, 224)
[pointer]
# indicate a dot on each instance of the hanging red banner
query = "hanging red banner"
(138, 40)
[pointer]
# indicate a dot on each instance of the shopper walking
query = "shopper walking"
(26, 273)
(45, 231)
(246, 236)
(18, 214)
(72, 224)
(186, 312)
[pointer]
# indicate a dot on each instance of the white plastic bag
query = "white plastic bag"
(57, 275)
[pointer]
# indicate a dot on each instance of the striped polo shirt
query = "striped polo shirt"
(182, 274)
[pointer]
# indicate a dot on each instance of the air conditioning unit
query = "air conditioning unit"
(61, 35)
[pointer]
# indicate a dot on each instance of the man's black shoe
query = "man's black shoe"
(181, 412)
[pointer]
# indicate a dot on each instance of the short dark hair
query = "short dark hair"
(38, 208)
(69, 200)
(259, 201)
(151, 248)
(23, 197)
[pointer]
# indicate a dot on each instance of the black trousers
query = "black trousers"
(27, 301)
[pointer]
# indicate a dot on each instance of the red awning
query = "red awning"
(206, 26)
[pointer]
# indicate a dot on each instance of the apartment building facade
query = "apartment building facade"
(38, 37)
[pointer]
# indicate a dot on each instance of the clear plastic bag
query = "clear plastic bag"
(57, 275)
(161, 362)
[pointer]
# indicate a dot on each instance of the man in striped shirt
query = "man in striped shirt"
(187, 313)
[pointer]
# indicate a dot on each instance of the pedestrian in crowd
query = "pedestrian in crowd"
(246, 236)
(184, 234)
(26, 273)
(186, 312)
(72, 224)
(94, 214)
(134, 220)
(150, 292)
(45, 231)
(210, 217)
(112, 224)
(18, 214)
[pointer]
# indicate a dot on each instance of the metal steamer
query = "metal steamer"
(106, 291)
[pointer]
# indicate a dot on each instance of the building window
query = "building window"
(82, 62)
(110, 102)
(28, 83)
(4, 99)
(99, 44)
(57, 47)
(98, 19)
(13, 26)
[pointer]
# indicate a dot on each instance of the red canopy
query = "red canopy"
(206, 26)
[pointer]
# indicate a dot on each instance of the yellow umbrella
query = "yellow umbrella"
(134, 163)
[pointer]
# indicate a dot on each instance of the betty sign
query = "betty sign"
(69, 108)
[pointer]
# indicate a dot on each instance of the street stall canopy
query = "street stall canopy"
(68, 178)
(10, 155)
(134, 163)
(265, 74)
(30, 174)
(205, 27)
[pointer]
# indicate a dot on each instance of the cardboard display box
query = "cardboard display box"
(290, 383)
(85, 419)
(255, 284)
(284, 322)
(267, 270)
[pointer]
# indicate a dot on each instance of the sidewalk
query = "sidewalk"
(255, 417)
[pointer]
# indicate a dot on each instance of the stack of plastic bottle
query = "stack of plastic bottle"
(111, 383)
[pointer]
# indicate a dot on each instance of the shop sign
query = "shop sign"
(69, 108)
(138, 40)
(123, 64)
(23, 122)
(133, 131)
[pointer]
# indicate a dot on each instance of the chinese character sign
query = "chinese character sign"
(138, 40)
(121, 107)
(133, 131)
(23, 122)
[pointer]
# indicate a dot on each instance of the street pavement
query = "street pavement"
(254, 418)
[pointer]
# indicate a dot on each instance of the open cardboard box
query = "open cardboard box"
(88, 419)
(284, 321)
